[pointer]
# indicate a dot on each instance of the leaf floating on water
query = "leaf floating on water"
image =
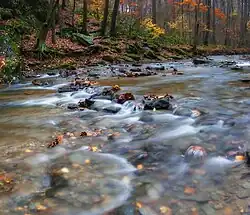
(28, 150)
(194, 211)
(139, 167)
(58, 140)
(87, 161)
(165, 210)
(189, 191)
(239, 158)
(40, 207)
(65, 170)
(138, 205)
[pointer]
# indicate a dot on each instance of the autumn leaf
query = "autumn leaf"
(189, 191)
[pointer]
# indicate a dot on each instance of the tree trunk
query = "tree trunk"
(214, 24)
(73, 13)
(114, 17)
(53, 26)
(105, 18)
(45, 27)
(206, 38)
(85, 17)
(196, 27)
(154, 11)
(64, 4)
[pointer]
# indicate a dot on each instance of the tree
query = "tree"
(105, 18)
(64, 4)
(196, 25)
(154, 11)
(207, 33)
(46, 25)
(85, 17)
(114, 17)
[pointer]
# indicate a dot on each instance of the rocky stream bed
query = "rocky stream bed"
(166, 138)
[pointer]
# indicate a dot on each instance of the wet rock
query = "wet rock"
(67, 73)
(51, 73)
(199, 197)
(112, 109)
(136, 64)
(37, 83)
(135, 69)
(236, 68)
(125, 97)
(72, 106)
(93, 73)
(244, 193)
(197, 61)
(208, 210)
(68, 88)
(158, 103)
(180, 111)
(87, 103)
(156, 67)
(195, 154)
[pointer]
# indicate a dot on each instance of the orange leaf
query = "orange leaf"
(227, 211)
(189, 191)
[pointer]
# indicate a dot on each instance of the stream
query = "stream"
(118, 159)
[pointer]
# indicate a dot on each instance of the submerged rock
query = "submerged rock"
(195, 154)
(87, 103)
(68, 88)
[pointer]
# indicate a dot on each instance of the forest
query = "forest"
(118, 31)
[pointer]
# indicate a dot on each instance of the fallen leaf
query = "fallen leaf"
(138, 205)
(189, 191)
(87, 161)
(65, 170)
(165, 210)
(227, 211)
(194, 211)
(28, 150)
(139, 166)
(239, 158)
(40, 207)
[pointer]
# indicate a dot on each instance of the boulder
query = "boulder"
(68, 88)
(125, 97)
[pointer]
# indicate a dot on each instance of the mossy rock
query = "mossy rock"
(68, 66)
(177, 57)
(126, 59)
(106, 42)
(5, 14)
(109, 58)
(150, 55)
(135, 57)
(135, 48)
(93, 49)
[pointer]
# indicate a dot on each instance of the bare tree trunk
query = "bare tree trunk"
(196, 27)
(206, 38)
(105, 18)
(73, 13)
(85, 17)
(154, 11)
(214, 24)
(114, 17)
(53, 26)
(64, 4)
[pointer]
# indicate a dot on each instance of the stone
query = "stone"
(87, 103)
(68, 88)
(125, 97)
(72, 106)
(158, 104)
(242, 194)
(208, 210)
(197, 61)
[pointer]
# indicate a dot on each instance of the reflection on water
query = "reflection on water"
(133, 154)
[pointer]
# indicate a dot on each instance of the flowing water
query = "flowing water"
(136, 163)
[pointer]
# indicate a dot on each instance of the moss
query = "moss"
(126, 59)
(109, 58)
(134, 56)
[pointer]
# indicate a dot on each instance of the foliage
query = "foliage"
(154, 30)
(96, 7)
(10, 69)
